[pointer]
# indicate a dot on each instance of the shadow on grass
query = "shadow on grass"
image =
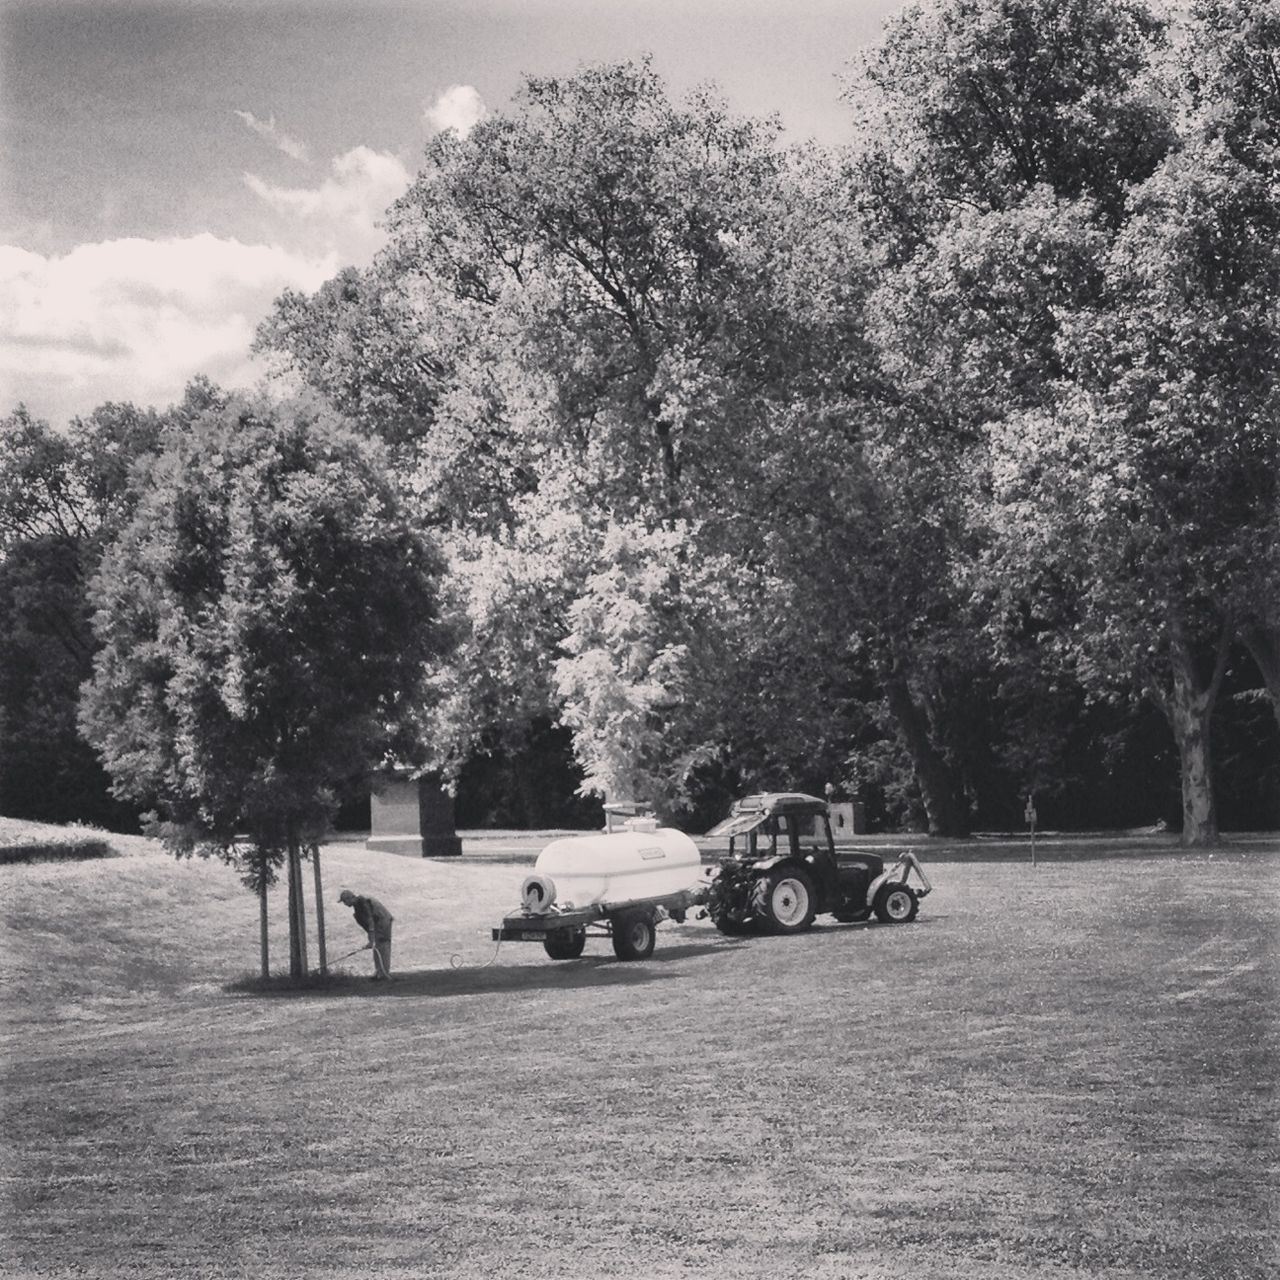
(480, 979)
(58, 851)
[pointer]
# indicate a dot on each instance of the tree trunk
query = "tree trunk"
(944, 802)
(1199, 808)
(297, 914)
(1189, 705)
(262, 922)
(315, 860)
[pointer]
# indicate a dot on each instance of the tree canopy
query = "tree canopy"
(266, 618)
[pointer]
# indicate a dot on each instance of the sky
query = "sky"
(168, 167)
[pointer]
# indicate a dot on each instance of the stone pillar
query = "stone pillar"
(414, 817)
(440, 837)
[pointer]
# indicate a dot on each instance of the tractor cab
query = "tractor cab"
(779, 826)
(777, 823)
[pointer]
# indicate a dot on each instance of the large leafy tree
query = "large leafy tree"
(597, 224)
(1231, 76)
(360, 342)
(63, 495)
(1149, 478)
(266, 617)
(601, 269)
(977, 102)
(1175, 443)
(999, 140)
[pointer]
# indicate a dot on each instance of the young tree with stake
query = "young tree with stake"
(265, 617)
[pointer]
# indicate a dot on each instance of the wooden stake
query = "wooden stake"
(315, 859)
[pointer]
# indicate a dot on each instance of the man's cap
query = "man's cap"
(346, 896)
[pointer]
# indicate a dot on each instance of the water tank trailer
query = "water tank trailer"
(616, 884)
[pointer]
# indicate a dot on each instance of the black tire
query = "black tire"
(633, 936)
(565, 944)
(896, 904)
(730, 927)
(784, 900)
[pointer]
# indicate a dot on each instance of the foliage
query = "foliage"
(62, 496)
(1082, 287)
(610, 257)
(632, 640)
(265, 620)
(980, 101)
(356, 340)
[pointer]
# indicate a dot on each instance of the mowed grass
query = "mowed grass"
(1061, 1071)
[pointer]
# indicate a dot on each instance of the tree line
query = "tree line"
(940, 467)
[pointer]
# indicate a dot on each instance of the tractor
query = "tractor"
(782, 870)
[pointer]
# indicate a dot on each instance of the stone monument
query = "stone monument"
(412, 816)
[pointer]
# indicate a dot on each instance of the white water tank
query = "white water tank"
(619, 866)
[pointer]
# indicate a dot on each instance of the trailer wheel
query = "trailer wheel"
(565, 944)
(896, 904)
(633, 936)
(784, 900)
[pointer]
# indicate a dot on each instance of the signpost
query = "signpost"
(1030, 814)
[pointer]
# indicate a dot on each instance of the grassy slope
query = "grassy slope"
(1062, 1072)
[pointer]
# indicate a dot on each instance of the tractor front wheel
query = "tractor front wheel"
(784, 900)
(633, 936)
(896, 904)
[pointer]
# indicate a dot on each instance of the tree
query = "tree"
(598, 267)
(1156, 463)
(265, 618)
(1052, 265)
(994, 135)
(1231, 77)
(596, 227)
(62, 497)
(1180, 426)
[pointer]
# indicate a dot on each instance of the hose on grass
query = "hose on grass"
(456, 960)
(459, 962)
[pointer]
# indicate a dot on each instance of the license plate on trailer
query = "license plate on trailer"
(512, 934)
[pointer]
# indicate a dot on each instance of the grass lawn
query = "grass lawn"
(1062, 1071)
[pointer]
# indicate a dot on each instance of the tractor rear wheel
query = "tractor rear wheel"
(896, 904)
(730, 927)
(633, 936)
(565, 944)
(783, 898)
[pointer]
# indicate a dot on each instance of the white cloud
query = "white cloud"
(276, 136)
(459, 107)
(135, 319)
(346, 208)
